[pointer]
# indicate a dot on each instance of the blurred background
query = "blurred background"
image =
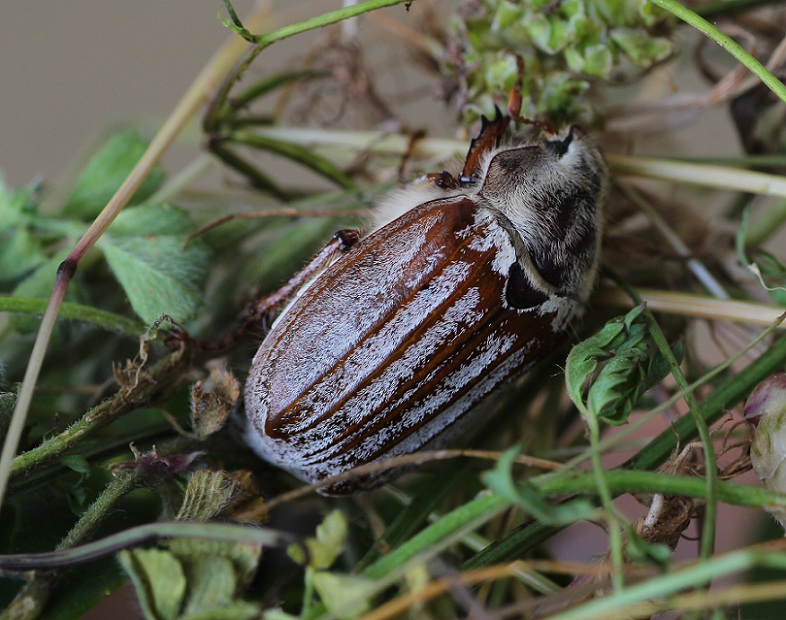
(69, 72)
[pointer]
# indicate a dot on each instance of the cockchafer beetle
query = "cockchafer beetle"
(464, 282)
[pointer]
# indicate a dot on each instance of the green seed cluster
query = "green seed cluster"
(566, 46)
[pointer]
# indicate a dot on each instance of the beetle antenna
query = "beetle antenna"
(515, 101)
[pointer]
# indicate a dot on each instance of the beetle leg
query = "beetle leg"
(262, 308)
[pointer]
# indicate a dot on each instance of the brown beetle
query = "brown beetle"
(464, 283)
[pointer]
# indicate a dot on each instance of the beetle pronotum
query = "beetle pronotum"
(464, 282)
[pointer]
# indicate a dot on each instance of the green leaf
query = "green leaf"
(643, 49)
(19, 253)
(211, 584)
(208, 492)
(215, 571)
(236, 610)
(598, 61)
(345, 596)
(612, 367)
(151, 219)
(234, 23)
(583, 358)
(106, 171)
(158, 579)
(77, 463)
(500, 480)
(761, 263)
(144, 250)
(16, 203)
(38, 285)
(506, 15)
(329, 541)
(617, 387)
(278, 614)
(326, 546)
(539, 28)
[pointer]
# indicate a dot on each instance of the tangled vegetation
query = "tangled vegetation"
(626, 446)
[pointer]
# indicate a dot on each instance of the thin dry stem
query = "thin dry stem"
(685, 304)
(717, 177)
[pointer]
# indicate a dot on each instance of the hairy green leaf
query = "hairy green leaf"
(609, 372)
(19, 253)
(326, 546)
(144, 250)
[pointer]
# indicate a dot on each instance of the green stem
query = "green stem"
(769, 223)
(263, 87)
(712, 408)
(88, 314)
(150, 384)
(621, 481)
(320, 21)
(612, 519)
(89, 552)
(530, 535)
(726, 42)
(213, 116)
(256, 177)
(651, 456)
(437, 536)
(680, 171)
(726, 7)
(302, 155)
(711, 473)
(689, 575)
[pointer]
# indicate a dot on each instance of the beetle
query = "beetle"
(463, 283)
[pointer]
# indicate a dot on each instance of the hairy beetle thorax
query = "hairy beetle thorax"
(551, 193)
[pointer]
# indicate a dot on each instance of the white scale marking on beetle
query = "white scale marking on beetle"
(495, 237)
(361, 405)
(337, 337)
(370, 445)
(360, 408)
(385, 343)
(439, 397)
